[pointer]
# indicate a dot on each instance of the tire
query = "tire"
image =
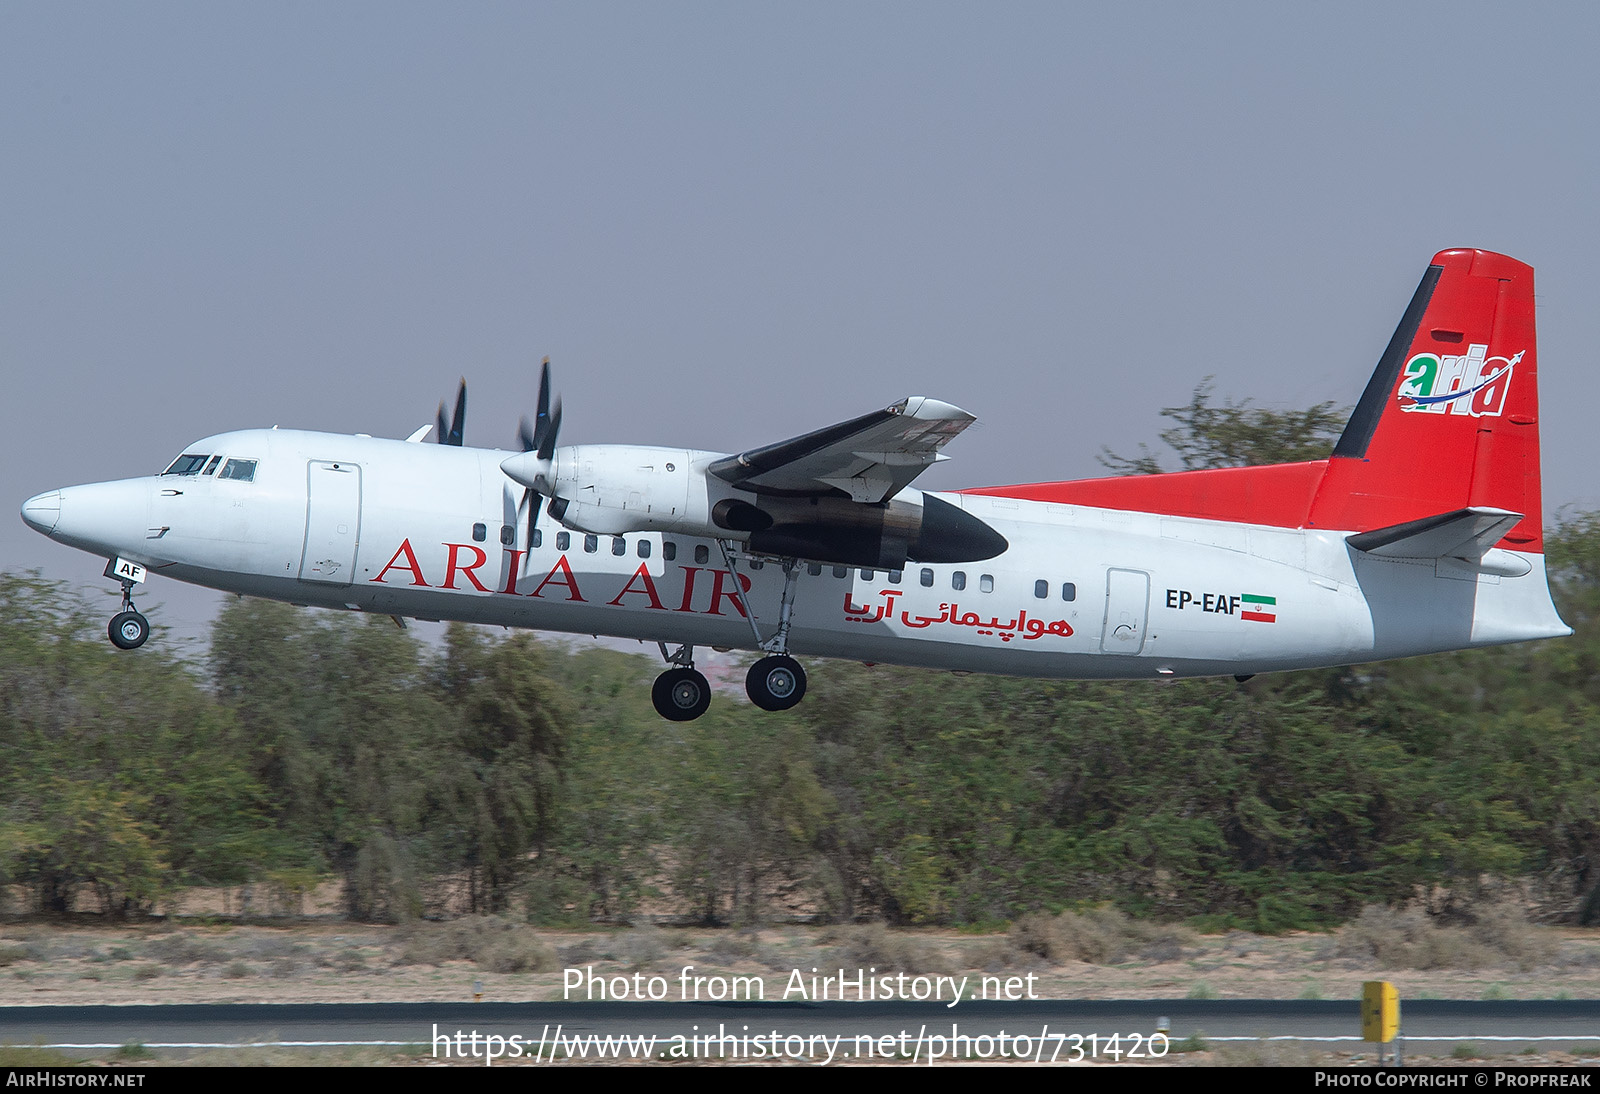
(128, 630)
(681, 695)
(775, 683)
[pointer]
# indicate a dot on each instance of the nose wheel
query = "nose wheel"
(775, 683)
(681, 695)
(128, 629)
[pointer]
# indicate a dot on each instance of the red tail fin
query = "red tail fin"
(1450, 419)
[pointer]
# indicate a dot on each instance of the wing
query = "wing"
(870, 458)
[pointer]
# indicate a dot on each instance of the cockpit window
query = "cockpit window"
(212, 466)
(243, 470)
(187, 464)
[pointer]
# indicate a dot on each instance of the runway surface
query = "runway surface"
(1042, 1029)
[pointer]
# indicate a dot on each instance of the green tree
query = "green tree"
(503, 771)
(343, 728)
(1235, 434)
(119, 775)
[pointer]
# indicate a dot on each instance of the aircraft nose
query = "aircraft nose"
(102, 518)
(42, 511)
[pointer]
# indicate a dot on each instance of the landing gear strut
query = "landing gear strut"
(128, 629)
(680, 694)
(776, 682)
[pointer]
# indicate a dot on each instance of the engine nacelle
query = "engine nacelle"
(912, 526)
(613, 489)
(616, 489)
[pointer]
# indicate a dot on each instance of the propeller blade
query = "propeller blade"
(452, 433)
(458, 424)
(542, 418)
(539, 438)
(533, 524)
(547, 442)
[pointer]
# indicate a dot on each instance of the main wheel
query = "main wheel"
(128, 630)
(776, 683)
(681, 695)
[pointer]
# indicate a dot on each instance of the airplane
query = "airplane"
(1421, 532)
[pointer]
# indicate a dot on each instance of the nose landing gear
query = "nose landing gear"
(128, 629)
(680, 694)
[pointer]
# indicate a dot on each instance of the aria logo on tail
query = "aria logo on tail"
(1468, 383)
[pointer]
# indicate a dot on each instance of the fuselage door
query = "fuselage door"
(333, 522)
(1127, 606)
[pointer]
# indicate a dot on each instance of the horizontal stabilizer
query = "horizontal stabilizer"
(1465, 533)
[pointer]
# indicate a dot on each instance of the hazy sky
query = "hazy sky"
(730, 223)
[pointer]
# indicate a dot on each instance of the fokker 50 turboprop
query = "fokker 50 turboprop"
(1420, 533)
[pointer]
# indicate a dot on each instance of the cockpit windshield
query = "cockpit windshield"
(187, 464)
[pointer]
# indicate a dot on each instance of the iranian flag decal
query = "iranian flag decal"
(1261, 609)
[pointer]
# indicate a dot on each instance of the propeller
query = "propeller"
(452, 434)
(540, 439)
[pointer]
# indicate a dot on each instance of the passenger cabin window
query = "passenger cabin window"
(591, 544)
(958, 581)
(1041, 589)
(480, 532)
(644, 548)
(866, 575)
(563, 540)
(1069, 591)
(669, 550)
(239, 470)
(926, 578)
(894, 577)
(187, 464)
(986, 583)
(814, 569)
(619, 546)
(841, 571)
(702, 553)
(538, 537)
(508, 535)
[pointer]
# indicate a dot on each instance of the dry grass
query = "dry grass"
(1493, 936)
(1096, 954)
(874, 946)
(494, 945)
(1100, 936)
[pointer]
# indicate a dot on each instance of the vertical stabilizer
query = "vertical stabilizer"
(1450, 419)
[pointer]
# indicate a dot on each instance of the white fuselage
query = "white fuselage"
(435, 532)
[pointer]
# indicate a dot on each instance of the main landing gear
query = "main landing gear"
(682, 694)
(128, 629)
(776, 682)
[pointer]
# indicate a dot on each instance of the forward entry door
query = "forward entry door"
(333, 522)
